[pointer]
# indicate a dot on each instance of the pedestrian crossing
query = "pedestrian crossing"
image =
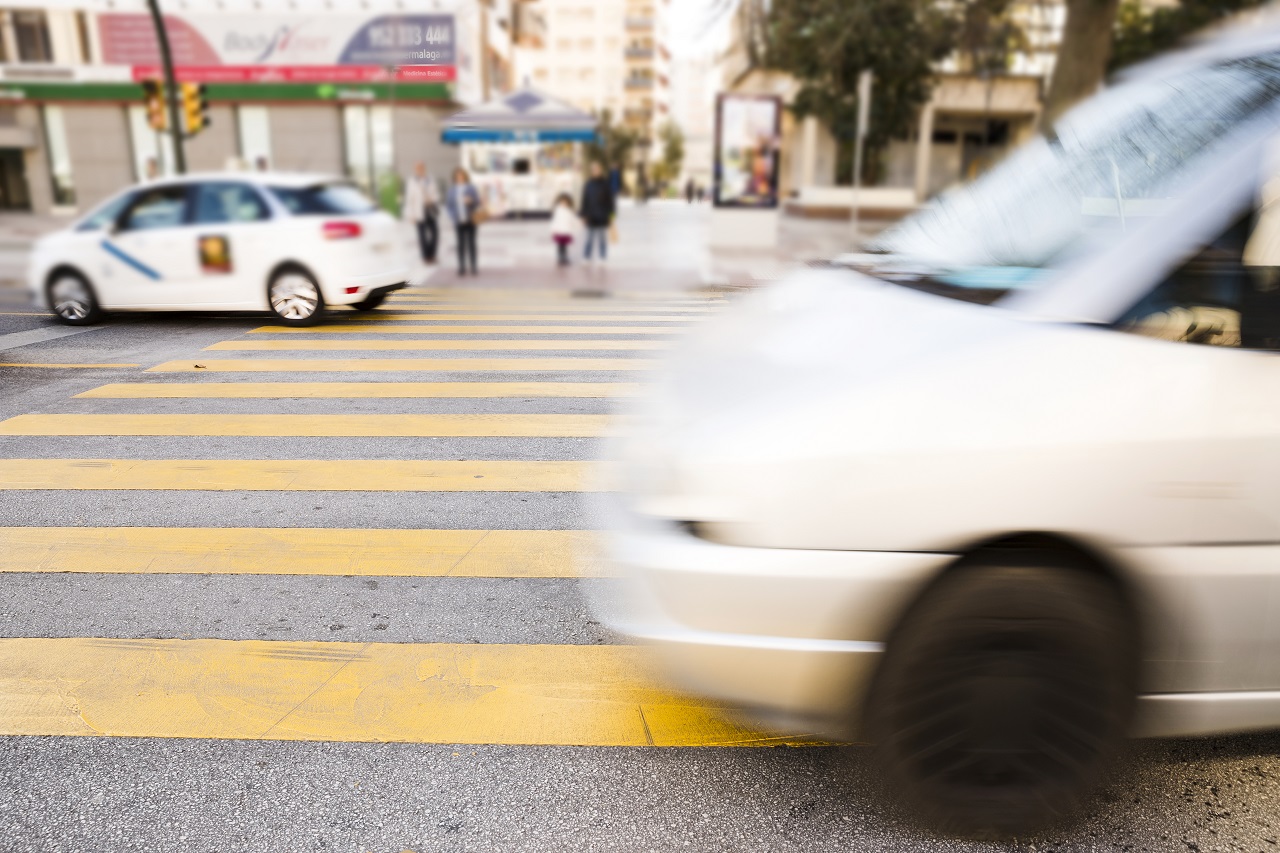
(549, 694)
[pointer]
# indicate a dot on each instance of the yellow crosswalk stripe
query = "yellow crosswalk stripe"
(381, 365)
(312, 426)
(420, 329)
(352, 692)
(341, 390)
(584, 308)
(374, 345)
(301, 551)
(306, 475)
(498, 294)
(503, 316)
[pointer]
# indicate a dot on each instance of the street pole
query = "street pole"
(860, 137)
(171, 87)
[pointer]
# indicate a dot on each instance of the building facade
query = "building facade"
(73, 126)
(599, 55)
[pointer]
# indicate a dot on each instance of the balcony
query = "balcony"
(639, 53)
(637, 83)
(635, 22)
(638, 114)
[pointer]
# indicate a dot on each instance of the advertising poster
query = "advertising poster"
(747, 133)
(215, 255)
(286, 48)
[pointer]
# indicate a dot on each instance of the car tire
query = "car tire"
(295, 297)
(1004, 695)
(371, 302)
(72, 300)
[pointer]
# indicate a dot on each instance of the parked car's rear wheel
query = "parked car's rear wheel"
(295, 297)
(1004, 695)
(372, 302)
(72, 299)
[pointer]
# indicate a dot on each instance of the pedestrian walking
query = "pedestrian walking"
(564, 224)
(465, 210)
(421, 207)
(642, 184)
(690, 190)
(597, 211)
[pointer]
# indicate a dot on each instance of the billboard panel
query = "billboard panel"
(748, 128)
(286, 48)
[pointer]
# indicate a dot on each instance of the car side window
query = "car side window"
(162, 207)
(1226, 295)
(217, 203)
(106, 214)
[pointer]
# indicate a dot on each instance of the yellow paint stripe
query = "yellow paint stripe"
(578, 307)
(301, 551)
(351, 692)
(381, 365)
(374, 345)
(422, 329)
(311, 426)
(504, 293)
(297, 475)
(401, 315)
(72, 366)
(339, 390)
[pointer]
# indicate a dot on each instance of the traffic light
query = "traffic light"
(195, 107)
(157, 109)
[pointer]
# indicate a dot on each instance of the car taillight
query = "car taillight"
(341, 230)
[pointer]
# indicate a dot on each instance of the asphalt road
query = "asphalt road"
(143, 788)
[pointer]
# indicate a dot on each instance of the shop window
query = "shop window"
(31, 32)
(13, 181)
(55, 137)
(153, 155)
(367, 143)
(253, 126)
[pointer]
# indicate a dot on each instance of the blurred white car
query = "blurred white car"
(287, 243)
(1012, 478)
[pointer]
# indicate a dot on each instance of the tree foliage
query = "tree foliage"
(825, 44)
(668, 168)
(1142, 32)
(614, 143)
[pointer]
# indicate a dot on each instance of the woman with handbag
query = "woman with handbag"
(466, 211)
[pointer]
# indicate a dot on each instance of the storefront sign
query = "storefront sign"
(747, 132)
(286, 48)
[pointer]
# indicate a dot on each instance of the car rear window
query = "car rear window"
(323, 199)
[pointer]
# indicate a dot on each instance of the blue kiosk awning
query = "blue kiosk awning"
(523, 116)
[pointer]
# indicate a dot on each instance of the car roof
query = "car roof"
(278, 179)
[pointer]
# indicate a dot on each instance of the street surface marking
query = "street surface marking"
(301, 551)
(339, 390)
(504, 294)
(353, 692)
(506, 317)
(579, 307)
(72, 366)
(13, 340)
(265, 475)
(367, 344)
(389, 329)
(379, 365)
(312, 426)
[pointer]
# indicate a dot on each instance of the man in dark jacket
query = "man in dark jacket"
(597, 211)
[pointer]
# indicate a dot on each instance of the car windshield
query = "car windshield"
(105, 213)
(323, 199)
(1115, 159)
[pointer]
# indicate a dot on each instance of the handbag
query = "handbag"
(613, 232)
(479, 215)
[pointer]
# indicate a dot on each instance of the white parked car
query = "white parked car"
(287, 243)
(1008, 489)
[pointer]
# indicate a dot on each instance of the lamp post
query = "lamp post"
(859, 141)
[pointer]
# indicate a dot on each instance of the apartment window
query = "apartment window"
(587, 75)
(82, 32)
(253, 126)
(55, 138)
(586, 45)
(31, 32)
(564, 45)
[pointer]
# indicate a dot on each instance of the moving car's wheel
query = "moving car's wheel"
(72, 300)
(372, 302)
(295, 297)
(1003, 695)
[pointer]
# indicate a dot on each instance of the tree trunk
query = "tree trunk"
(1082, 56)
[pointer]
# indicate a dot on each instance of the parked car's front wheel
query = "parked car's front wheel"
(295, 297)
(1004, 695)
(72, 299)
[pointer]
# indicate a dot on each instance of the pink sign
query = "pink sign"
(299, 73)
